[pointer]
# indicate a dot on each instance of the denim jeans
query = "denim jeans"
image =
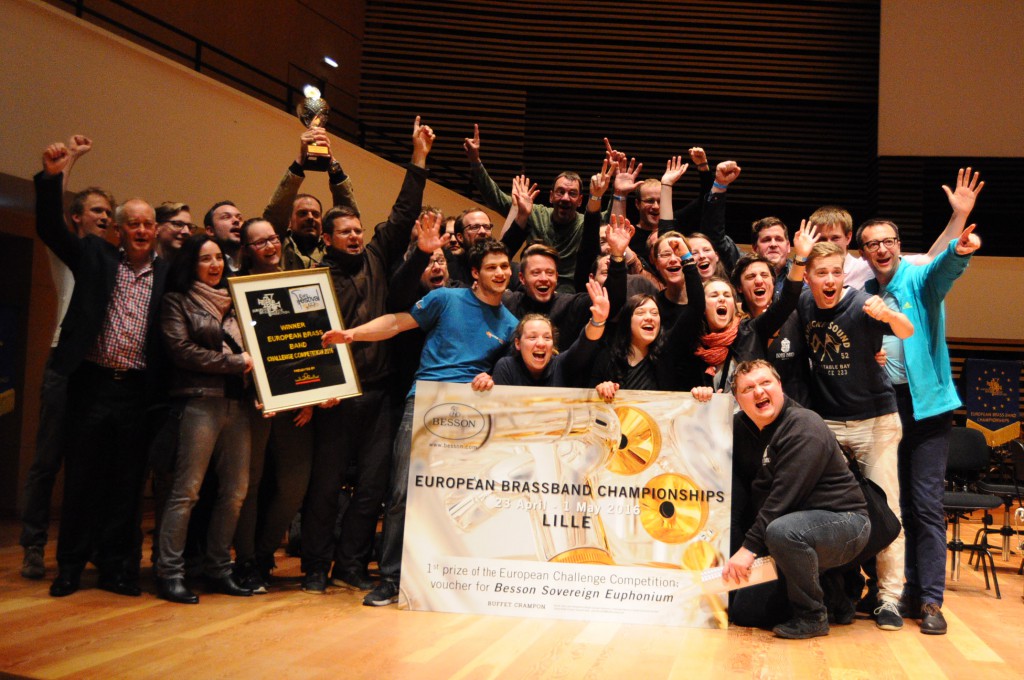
(212, 428)
(394, 513)
(922, 468)
(875, 444)
(806, 543)
(35, 516)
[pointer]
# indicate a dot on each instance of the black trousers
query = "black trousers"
(354, 435)
(105, 463)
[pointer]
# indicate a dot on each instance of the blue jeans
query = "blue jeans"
(394, 513)
(212, 428)
(35, 516)
(806, 543)
(922, 467)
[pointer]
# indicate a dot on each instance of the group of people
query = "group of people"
(820, 348)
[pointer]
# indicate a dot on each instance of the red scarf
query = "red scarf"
(714, 347)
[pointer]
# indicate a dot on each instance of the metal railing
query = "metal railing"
(270, 89)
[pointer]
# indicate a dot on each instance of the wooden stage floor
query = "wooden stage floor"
(289, 634)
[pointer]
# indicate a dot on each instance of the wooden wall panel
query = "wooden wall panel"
(789, 90)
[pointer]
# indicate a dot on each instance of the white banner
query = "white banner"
(550, 503)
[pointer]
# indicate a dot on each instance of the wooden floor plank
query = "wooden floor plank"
(287, 633)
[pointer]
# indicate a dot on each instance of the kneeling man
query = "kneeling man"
(811, 512)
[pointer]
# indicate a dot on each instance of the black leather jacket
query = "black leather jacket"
(194, 340)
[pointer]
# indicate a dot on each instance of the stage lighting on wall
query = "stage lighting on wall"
(311, 92)
(330, 62)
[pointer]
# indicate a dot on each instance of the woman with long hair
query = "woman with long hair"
(204, 344)
(729, 335)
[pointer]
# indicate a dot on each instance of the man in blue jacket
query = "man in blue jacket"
(919, 369)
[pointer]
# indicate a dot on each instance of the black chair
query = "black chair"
(969, 456)
(1008, 484)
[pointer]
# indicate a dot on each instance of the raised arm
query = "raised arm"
(590, 243)
(625, 182)
(393, 237)
(50, 225)
(901, 326)
(712, 221)
(674, 170)
(620, 231)
(404, 289)
(769, 323)
(961, 200)
(78, 146)
(492, 195)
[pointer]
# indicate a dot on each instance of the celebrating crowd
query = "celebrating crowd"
(823, 351)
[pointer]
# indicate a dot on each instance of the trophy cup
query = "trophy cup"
(313, 111)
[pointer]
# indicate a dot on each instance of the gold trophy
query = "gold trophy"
(313, 111)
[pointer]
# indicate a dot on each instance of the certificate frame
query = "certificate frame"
(282, 317)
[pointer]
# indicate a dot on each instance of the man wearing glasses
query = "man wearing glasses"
(559, 225)
(173, 226)
(919, 369)
(108, 351)
(298, 218)
(471, 227)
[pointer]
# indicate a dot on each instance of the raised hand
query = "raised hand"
(315, 135)
(620, 231)
(626, 179)
(472, 145)
(524, 194)
(599, 183)
(968, 241)
(428, 233)
(962, 199)
(727, 172)
(79, 145)
(55, 158)
(698, 157)
(600, 305)
(422, 141)
(335, 337)
(678, 246)
(674, 169)
(804, 239)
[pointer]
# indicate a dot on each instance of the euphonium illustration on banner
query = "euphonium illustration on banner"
(619, 483)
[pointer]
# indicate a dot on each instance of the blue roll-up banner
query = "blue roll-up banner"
(993, 399)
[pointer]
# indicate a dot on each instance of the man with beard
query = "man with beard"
(108, 353)
(538, 273)
(559, 226)
(770, 238)
(472, 226)
(357, 432)
(223, 224)
(467, 329)
(919, 369)
(298, 217)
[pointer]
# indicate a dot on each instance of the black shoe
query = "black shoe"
(910, 607)
(226, 585)
(352, 579)
(65, 584)
(248, 575)
(315, 582)
(887, 616)
(175, 590)
(932, 620)
(868, 604)
(840, 608)
(384, 594)
(801, 628)
(32, 565)
(119, 585)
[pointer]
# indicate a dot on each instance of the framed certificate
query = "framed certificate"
(282, 317)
